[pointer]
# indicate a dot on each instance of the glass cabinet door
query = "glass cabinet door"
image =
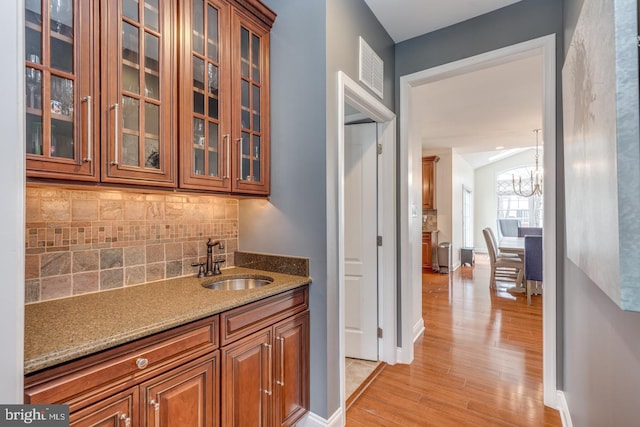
(205, 163)
(58, 89)
(139, 107)
(251, 116)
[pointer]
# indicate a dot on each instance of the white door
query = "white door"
(360, 234)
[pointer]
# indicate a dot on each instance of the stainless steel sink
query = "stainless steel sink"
(238, 283)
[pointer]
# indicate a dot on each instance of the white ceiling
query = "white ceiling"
(474, 112)
(479, 111)
(405, 19)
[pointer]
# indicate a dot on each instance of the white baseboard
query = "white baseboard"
(313, 420)
(563, 408)
(418, 329)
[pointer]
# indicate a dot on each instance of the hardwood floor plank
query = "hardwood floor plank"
(479, 362)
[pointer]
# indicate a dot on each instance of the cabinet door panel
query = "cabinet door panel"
(205, 94)
(246, 381)
(250, 84)
(427, 251)
(291, 365)
(138, 108)
(429, 182)
(183, 397)
(59, 90)
(120, 410)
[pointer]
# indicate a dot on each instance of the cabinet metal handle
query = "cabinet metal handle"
(87, 99)
(239, 140)
(228, 146)
(116, 127)
(269, 369)
(126, 419)
(281, 382)
(156, 408)
(142, 363)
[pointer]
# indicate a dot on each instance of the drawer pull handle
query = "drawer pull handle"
(87, 99)
(269, 369)
(127, 420)
(142, 363)
(281, 382)
(115, 107)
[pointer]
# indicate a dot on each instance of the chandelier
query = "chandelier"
(536, 178)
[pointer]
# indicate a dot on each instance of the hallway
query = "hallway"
(479, 362)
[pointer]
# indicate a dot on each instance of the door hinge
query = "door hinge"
(379, 332)
(379, 149)
(379, 240)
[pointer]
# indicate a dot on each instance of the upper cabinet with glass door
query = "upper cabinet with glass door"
(225, 129)
(61, 138)
(250, 121)
(204, 126)
(138, 95)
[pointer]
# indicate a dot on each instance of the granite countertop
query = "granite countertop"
(61, 330)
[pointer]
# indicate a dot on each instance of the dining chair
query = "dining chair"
(495, 245)
(508, 227)
(532, 264)
(504, 268)
(529, 231)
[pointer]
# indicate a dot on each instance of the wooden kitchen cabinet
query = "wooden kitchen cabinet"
(116, 411)
(291, 363)
(179, 367)
(265, 377)
(265, 366)
(182, 377)
(116, 93)
(427, 251)
(138, 105)
(184, 397)
(61, 99)
(429, 182)
(225, 129)
(247, 381)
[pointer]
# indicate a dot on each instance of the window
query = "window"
(527, 209)
(467, 220)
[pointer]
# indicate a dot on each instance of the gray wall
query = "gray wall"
(293, 221)
(346, 21)
(310, 41)
(602, 342)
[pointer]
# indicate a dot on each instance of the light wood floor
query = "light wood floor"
(479, 362)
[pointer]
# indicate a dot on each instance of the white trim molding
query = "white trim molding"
(314, 420)
(351, 92)
(563, 408)
(410, 194)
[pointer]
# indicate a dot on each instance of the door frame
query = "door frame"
(357, 96)
(410, 154)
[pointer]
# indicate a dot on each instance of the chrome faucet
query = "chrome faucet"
(212, 268)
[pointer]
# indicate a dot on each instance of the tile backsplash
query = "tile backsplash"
(85, 240)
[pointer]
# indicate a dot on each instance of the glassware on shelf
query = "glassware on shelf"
(34, 88)
(36, 138)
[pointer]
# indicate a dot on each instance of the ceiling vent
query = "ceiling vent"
(371, 69)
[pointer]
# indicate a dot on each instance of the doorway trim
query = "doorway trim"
(410, 154)
(351, 92)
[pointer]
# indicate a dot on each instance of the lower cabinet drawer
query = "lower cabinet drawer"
(124, 364)
(243, 321)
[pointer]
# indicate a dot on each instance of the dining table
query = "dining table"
(513, 245)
